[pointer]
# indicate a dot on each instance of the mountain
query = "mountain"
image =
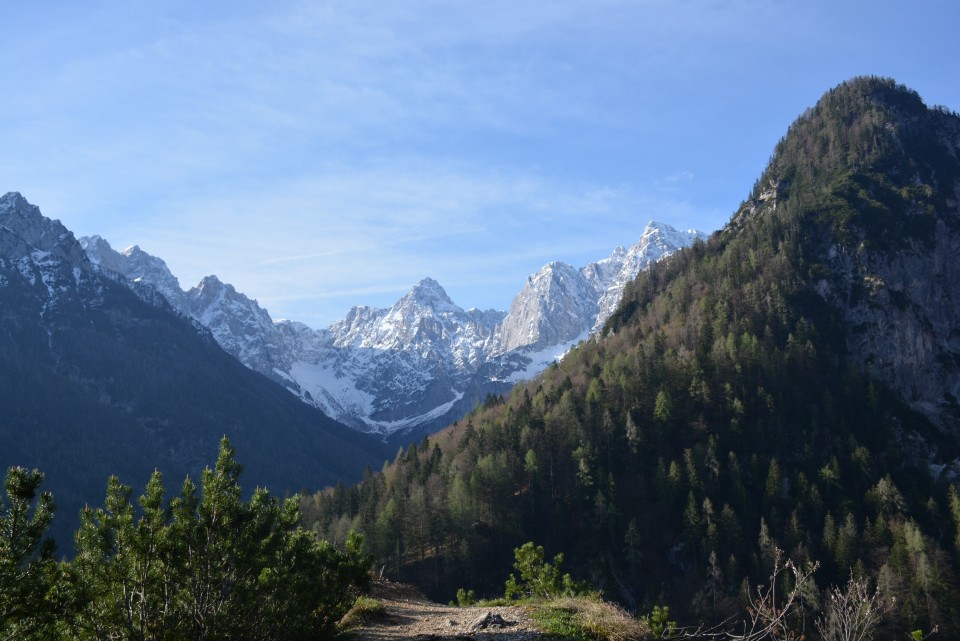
(240, 326)
(100, 376)
(137, 265)
(421, 364)
(881, 246)
(560, 304)
(788, 385)
(386, 367)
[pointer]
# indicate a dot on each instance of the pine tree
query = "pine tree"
(28, 572)
(955, 513)
(125, 568)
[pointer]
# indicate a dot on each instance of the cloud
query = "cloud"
(366, 236)
(321, 151)
(678, 177)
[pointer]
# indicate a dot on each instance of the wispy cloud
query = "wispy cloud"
(342, 150)
(277, 260)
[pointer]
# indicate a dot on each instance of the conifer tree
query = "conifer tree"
(27, 569)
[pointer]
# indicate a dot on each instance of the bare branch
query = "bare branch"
(852, 614)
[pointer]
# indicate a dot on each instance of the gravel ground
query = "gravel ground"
(410, 615)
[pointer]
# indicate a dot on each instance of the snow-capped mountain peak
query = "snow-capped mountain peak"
(657, 241)
(40, 255)
(560, 304)
(553, 307)
(137, 266)
(429, 294)
(422, 362)
(26, 231)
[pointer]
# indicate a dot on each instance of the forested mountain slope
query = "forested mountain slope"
(99, 379)
(787, 384)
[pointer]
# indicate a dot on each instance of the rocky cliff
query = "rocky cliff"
(881, 238)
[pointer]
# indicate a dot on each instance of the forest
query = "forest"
(720, 417)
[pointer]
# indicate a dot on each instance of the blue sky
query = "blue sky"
(320, 155)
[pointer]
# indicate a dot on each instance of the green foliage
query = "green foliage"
(588, 617)
(363, 610)
(465, 598)
(538, 578)
(27, 570)
(954, 497)
(205, 566)
(558, 622)
(659, 622)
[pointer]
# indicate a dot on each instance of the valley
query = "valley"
(775, 404)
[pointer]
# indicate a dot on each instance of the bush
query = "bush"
(206, 565)
(539, 579)
(466, 598)
(659, 623)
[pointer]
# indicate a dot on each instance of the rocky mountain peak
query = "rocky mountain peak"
(664, 237)
(611, 275)
(137, 266)
(870, 180)
(555, 305)
(241, 327)
(429, 294)
(561, 304)
(95, 246)
(13, 203)
(422, 361)
(212, 284)
(24, 231)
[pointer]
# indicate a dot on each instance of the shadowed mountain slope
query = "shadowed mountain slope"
(97, 378)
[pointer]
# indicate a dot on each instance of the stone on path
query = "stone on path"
(490, 619)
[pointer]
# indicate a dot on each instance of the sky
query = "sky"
(320, 155)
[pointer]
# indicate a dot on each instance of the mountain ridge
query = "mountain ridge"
(99, 376)
(424, 362)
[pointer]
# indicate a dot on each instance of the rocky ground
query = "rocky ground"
(410, 615)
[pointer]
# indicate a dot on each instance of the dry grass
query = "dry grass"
(590, 618)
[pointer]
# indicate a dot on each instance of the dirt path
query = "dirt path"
(411, 616)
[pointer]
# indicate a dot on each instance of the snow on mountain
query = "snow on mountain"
(558, 304)
(27, 234)
(554, 306)
(424, 321)
(658, 241)
(136, 265)
(43, 253)
(395, 367)
(240, 325)
(423, 362)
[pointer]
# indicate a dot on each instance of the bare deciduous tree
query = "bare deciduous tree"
(852, 614)
(770, 609)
